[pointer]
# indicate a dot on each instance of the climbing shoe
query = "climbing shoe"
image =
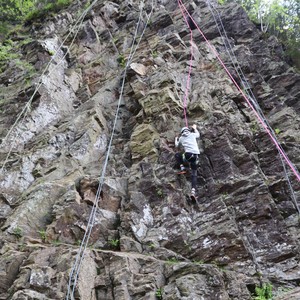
(182, 170)
(193, 194)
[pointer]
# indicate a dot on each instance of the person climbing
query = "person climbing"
(188, 139)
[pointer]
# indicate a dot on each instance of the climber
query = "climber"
(188, 139)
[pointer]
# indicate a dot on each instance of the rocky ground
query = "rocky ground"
(148, 240)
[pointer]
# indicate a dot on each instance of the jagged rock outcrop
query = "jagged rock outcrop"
(148, 240)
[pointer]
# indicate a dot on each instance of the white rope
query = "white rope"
(39, 83)
(80, 255)
(249, 93)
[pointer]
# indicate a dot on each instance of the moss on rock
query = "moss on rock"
(144, 143)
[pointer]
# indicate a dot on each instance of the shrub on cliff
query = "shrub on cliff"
(42, 11)
(277, 17)
(13, 12)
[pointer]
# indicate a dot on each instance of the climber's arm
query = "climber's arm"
(196, 132)
(177, 141)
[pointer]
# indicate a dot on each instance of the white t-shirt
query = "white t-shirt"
(189, 141)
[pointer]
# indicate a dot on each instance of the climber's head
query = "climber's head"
(185, 131)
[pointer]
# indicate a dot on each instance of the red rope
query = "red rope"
(242, 93)
(190, 69)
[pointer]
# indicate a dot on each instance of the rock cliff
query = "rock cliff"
(148, 241)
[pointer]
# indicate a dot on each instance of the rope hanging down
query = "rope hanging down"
(190, 69)
(280, 149)
(79, 258)
(248, 89)
(26, 108)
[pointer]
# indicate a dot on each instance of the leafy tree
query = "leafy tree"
(278, 17)
(264, 292)
(18, 12)
(13, 11)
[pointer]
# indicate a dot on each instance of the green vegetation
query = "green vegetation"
(115, 243)
(18, 232)
(159, 192)
(198, 262)
(264, 292)
(43, 235)
(122, 61)
(259, 275)
(6, 52)
(152, 246)
(158, 293)
(254, 127)
(56, 242)
(154, 53)
(277, 17)
(277, 130)
(22, 247)
(9, 52)
(172, 261)
(78, 243)
(48, 8)
(13, 12)
(13, 15)
(224, 195)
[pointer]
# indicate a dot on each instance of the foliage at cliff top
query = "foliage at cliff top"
(277, 17)
(13, 12)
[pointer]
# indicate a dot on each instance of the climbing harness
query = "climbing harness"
(185, 159)
(80, 255)
(280, 149)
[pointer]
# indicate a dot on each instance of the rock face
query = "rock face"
(148, 241)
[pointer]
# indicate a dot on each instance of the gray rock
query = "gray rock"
(148, 240)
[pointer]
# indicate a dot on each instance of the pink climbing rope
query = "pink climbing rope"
(182, 6)
(190, 69)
